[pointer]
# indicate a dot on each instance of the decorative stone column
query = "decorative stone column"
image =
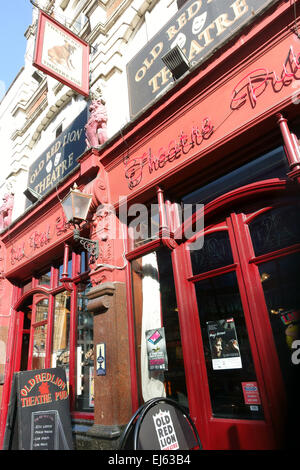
(112, 391)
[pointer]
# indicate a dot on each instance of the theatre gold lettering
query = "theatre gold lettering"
(148, 61)
(55, 175)
(183, 19)
(57, 161)
(196, 45)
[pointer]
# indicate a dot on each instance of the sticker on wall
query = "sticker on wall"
(224, 347)
(156, 349)
(101, 359)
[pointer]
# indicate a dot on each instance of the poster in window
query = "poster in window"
(224, 346)
(156, 349)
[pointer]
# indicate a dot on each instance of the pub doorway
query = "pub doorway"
(240, 293)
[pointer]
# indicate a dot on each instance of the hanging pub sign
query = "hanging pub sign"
(62, 54)
(39, 412)
(156, 349)
(60, 158)
(198, 28)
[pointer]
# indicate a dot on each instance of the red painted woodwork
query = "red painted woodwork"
(35, 295)
(181, 155)
(219, 433)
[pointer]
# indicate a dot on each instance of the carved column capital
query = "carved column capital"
(100, 297)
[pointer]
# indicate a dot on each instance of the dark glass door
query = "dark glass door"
(244, 281)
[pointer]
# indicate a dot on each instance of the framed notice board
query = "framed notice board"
(39, 412)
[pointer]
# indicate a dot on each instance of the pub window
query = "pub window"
(144, 225)
(44, 278)
(39, 331)
(272, 164)
(159, 357)
(228, 356)
(84, 352)
(60, 330)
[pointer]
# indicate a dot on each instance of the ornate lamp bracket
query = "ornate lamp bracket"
(91, 246)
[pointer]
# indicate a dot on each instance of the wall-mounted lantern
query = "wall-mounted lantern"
(76, 207)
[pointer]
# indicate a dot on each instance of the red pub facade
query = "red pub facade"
(216, 162)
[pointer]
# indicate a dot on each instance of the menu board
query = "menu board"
(44, 430)
(39, 412)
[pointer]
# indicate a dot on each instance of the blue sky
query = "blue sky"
(16, 16)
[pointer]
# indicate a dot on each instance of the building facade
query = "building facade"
(195, 183)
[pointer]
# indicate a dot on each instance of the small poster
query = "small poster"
(251, 393)
(44, 430)
(156, 349)
(101, 358)
(224, 347)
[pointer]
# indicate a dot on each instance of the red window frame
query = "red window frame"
(56, 287)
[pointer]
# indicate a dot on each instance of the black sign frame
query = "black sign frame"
(60, 158)
(199, 28)
(39, 412)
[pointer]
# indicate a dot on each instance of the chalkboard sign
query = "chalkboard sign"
(39, 412)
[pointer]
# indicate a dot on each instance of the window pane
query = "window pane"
(155, 308)
(215, 253)
(41, 312)
(145, 225)
(273, 164)
(39, 347)
(275, 229)
(84, 265)
(61, 332)
(231, 376)
(280, 281)
(44, 279)
(84, 353)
